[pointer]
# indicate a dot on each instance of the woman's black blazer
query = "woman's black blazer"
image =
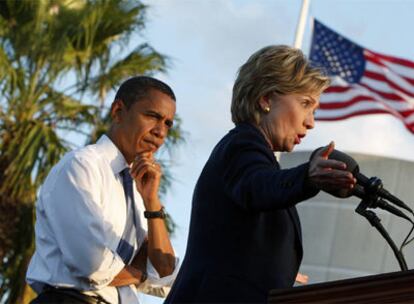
(245, 235)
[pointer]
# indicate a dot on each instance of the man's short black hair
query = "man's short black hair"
(139, 87)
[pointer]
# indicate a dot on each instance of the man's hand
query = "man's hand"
(147, 174)
(127, 276)
(328, 174)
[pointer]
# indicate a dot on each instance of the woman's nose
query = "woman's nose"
(310, 121)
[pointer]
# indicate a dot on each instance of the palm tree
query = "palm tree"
(53, 55)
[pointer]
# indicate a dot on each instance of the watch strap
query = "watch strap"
(155, 214)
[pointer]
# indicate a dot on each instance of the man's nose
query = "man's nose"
(160, 130)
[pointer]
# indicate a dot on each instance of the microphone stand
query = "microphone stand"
(369, 201)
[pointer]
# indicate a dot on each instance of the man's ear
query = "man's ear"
(117, 108)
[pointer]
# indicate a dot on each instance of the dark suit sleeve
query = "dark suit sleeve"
(252, 178)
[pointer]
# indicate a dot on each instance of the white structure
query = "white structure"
(339, 243)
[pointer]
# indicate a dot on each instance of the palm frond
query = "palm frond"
(143, 60)
(43, 44)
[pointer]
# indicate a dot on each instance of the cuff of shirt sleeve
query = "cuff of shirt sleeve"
(106, 273)
(154, 277)
(155, 285)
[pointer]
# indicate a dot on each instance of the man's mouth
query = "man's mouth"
(153, 144)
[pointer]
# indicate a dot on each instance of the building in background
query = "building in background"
(339, 243)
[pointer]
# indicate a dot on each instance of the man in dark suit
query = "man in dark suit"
(245, 235)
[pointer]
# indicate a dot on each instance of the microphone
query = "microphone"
(368, 183)
(359, 192)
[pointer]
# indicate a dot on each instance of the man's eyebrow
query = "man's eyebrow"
(168, 122)
(152, 112)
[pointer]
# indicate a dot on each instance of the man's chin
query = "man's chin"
(154, 149)
(147, 147)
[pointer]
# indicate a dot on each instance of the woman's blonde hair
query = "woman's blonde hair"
(276, 69)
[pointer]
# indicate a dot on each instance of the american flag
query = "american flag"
(363, 81)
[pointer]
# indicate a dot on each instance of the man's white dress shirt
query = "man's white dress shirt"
(81, 216)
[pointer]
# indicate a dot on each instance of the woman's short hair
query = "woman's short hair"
(276, 69)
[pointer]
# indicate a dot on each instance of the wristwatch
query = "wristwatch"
(155, 214)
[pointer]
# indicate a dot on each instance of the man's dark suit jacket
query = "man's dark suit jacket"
(245, 235)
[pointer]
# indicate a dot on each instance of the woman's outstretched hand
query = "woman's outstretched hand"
(329, 174)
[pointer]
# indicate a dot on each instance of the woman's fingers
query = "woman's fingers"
(330, 163)
(302, 278)
(328, 150)
(325, 173)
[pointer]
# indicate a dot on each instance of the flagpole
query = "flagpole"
(300, 29)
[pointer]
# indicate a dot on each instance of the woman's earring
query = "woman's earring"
(266, 109)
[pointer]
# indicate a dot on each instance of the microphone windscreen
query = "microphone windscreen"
(351, 166)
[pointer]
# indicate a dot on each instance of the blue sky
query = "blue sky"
(208, 40)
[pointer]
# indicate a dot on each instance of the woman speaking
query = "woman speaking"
(245, 235)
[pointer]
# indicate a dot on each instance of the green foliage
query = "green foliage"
(53, 53)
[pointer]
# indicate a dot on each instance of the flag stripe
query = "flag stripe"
(392, 85)
(361, 105)
(329, 117)
(409, 119)
(371, 85)
(355, 90)
(337, 89)
(408, 122)
(346, 103)
(401, 70)
(359, 99)
(399, 61)
(352, 92)
(383, 73)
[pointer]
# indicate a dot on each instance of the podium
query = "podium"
(395, 287)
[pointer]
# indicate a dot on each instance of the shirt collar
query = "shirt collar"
(111, 153)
